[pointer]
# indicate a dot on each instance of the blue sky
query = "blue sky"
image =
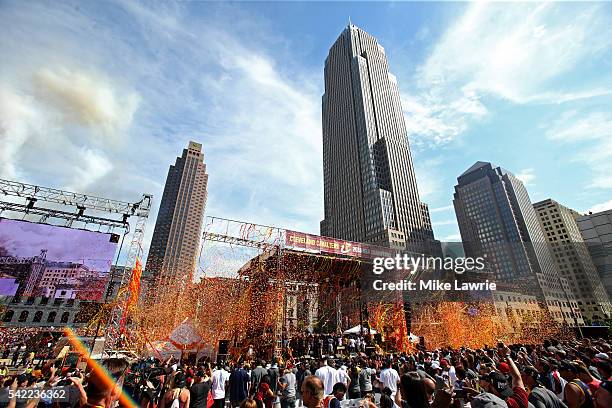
(101, 96)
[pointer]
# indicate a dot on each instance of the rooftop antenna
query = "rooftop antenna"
(350, 24)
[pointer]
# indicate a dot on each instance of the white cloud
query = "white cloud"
(526, 176)
(17, 119)
(601, 207)
(441, 209)
(51, 121)
(452, 238)
(590, 138)
(510, 52)
(429, 178)
(86, 99)
(109, 118)
(444, 222)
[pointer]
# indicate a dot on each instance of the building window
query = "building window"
(51, 317)
(23, 316)
(65, 317)
(37, 317)
(8, 316)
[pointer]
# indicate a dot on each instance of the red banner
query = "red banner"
(307, 242)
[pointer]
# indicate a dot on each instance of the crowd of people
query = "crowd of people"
(320, 344)
(21, 346)
(573, 374)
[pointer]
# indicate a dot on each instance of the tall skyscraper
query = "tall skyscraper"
(572, 259)
(596, 229)
(498, 222)
(370, 190)
(178, 229)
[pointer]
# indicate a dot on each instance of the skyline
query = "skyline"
(96, 92)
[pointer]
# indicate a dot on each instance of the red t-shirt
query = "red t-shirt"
(594, 385)
(519, 398)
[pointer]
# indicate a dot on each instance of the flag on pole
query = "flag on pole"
(134, 292)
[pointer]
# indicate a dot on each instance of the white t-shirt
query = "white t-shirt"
(343, 376)
(329, 377)
(219, 377)
(389, 377)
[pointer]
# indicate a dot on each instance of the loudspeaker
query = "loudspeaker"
(223, 346)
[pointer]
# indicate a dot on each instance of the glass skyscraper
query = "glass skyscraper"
(178, 228)
(370, 189)
(498, 222)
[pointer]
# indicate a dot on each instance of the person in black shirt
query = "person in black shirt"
(199, 390)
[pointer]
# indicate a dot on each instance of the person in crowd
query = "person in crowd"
(178, 396)
(366, 377)
(239, 383)
(264, 395)
(584, 375)
(603, 395)
(274, 374)
(313, 391)
(337, 395)
(604, 369)
(303, 371)
(220, 378)
(256, 375)
(389, 377)
(354, 391)
(412, 392)
(199, 390)
(248, 403)
(287, 385)
(576, 393)
(328, 374)
(539, 395)
(100, 392)
(496, 383)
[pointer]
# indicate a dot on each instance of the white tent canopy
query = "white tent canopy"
(357, 330)
(184, 336)
(163, 349)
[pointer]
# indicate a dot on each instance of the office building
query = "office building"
(498, 222)
(573, 260)
(596, 229)
(178, 229)
(370, 189)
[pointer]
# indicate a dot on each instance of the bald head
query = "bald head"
(312, 391)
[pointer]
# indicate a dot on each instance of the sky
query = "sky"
(100, 97)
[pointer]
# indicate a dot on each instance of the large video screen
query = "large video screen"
(54, 262)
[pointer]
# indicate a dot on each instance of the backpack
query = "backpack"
(327, 400)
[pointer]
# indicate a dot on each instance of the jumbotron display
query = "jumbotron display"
(55, 262)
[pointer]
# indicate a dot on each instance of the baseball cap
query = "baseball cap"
(443, 362)
(500, 383)
(488, 400)
(504, 368)
(601, 355)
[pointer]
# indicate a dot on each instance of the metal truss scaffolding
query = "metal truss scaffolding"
(113, 333)
(69, 207)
